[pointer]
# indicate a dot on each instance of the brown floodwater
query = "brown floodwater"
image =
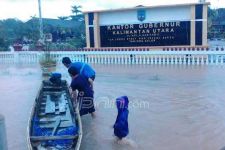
(171, 107)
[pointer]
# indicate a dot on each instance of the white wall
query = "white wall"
(152, 15)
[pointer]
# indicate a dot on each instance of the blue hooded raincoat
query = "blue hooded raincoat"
(121, 129)
(55, 78)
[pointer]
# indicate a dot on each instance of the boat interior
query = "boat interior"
(53, 123)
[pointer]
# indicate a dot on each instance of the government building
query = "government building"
(183, 25)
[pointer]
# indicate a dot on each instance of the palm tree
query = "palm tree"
(76, 9)
(77, 13)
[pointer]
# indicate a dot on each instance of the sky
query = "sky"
(24, 9)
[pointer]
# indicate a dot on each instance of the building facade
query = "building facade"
(166, 25)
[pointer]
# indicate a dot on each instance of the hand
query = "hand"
(74, 105)
(70, 91)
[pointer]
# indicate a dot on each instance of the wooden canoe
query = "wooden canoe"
(54, 122)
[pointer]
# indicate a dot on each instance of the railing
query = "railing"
(192, 56)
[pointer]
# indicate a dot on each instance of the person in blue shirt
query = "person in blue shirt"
(82, 68)
(121, 129)
(85, 94)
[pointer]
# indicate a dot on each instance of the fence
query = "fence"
(192, 56)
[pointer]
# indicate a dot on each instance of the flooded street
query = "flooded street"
(171, 107)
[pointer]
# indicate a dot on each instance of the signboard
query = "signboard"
(146, 34)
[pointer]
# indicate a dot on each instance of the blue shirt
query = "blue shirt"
(81, 84)
(84, 69)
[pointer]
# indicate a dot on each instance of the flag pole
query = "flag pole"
(40, 21)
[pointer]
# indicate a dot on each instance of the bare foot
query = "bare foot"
(116, 139)
(126, 141)
(120, 142)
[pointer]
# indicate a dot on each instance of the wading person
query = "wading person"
(85, 93)
(82, 68)
(121, 129)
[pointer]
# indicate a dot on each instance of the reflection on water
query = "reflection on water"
(172, 107)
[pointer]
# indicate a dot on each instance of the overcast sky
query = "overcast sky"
(24, 9)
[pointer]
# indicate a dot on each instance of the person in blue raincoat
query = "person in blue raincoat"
(82, 68)
(55, 78)
(121, 129)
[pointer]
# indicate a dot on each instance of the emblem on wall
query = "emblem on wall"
(141, 14)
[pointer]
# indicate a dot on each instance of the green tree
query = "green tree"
(215, 22)
(76, 10)
(32, 28)
(11, 30)
(212, 15)
(77, 13)
(4, 44)
(63, 17)
(79, 40)
(14, 30)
